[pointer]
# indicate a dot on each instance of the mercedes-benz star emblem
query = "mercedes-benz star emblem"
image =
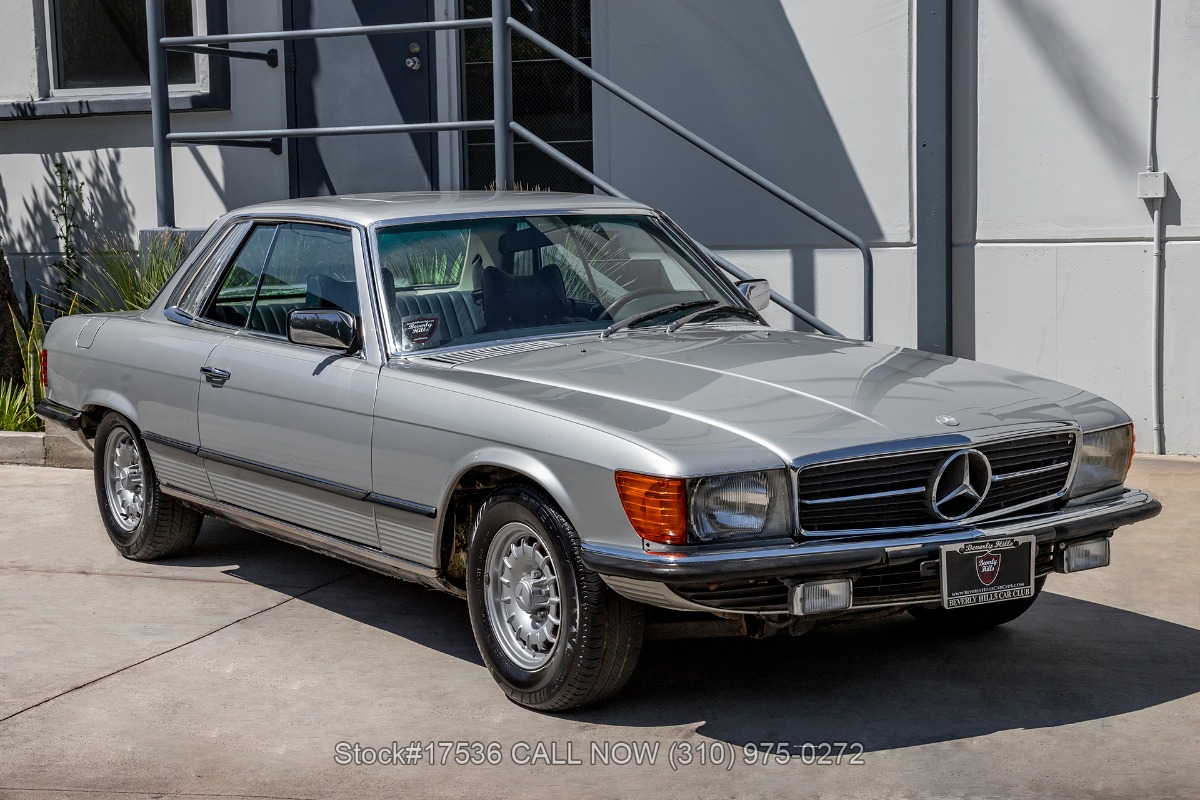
(960, 485)
(947, 420)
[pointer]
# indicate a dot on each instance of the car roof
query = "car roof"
(364, 209)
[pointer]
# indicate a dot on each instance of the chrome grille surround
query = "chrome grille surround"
(881, 493)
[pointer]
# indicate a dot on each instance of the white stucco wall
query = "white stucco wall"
(113, 156)
(813, 95)
(1062, 264)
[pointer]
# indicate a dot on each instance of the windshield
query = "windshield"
(463, 282)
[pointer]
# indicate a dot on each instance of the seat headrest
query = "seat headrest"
(326, 291)
(524, 239)
(523, 301)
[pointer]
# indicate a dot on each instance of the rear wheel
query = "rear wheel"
(973, 619)
(554, 636)
(142, 522)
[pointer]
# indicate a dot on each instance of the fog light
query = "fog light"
(1085, 555)
(821, 596)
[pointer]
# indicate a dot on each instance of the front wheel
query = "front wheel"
(974, 619)
(554, 636)
(142, 522)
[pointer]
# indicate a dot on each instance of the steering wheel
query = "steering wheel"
(630, 297)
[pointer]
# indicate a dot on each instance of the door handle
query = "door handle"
(214, 376)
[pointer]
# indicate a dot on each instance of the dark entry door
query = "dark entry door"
(361, 80)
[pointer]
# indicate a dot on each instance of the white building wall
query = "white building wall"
(813, 95)
(1062, 263)
(113, 155)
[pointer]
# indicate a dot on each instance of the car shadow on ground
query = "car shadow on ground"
(885, 683)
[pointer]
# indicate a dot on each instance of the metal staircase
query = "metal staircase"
(502, 25)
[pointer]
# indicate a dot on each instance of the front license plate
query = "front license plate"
(974, 573)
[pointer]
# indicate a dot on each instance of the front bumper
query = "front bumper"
(831, 557)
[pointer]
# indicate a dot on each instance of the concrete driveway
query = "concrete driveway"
(237, 671)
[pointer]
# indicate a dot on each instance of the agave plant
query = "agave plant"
(433, 268)
(16, 408)
(121, 279)
(16, 401)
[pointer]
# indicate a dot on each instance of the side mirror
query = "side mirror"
(757, 291)
(322, 327)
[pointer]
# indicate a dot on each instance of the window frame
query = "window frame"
(54, 60)
(369, 320)
(211, 92)
(219, 283)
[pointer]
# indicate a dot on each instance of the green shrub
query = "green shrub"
(17, 402)
(121, 279)
(16, 408)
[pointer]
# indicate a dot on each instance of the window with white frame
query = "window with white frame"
(100, 45)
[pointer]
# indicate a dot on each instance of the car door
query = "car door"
(285, 429)
(162, 369)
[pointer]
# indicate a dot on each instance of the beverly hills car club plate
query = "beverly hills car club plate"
(974, 573)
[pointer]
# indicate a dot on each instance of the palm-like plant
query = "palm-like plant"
(121, 279)
(17, 401)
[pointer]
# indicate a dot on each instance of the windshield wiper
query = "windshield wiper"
(723, 308)
(655, 312)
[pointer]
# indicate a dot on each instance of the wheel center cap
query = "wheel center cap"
(524, 595)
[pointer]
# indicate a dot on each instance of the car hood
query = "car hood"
(791, 392)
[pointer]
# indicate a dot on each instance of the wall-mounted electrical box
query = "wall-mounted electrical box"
(1152, 185)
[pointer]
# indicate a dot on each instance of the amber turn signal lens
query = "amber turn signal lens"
(656, 507)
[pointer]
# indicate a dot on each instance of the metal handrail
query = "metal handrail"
(329, 33)
(344, 130)
(662, 119)
(502, 123)
(583, 172)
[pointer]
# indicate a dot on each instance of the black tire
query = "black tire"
(599, 631)
(166, 526)
(975, 619)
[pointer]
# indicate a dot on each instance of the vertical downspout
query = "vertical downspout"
(1156, 281)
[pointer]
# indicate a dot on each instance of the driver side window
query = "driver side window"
(233, 301)
(286, 266)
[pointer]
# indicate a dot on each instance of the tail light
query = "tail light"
(45, 374)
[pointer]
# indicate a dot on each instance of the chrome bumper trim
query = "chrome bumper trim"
(830, 556)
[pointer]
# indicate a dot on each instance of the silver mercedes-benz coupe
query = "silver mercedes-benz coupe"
(557, 407)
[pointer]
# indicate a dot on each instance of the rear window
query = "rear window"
(424, 256)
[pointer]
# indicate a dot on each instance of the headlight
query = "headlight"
(1103, 460)
(742, 504)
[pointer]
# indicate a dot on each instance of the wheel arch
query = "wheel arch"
(102, 401)
(477, 477)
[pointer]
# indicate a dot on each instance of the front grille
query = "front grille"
(890, 491)
(879, 586)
